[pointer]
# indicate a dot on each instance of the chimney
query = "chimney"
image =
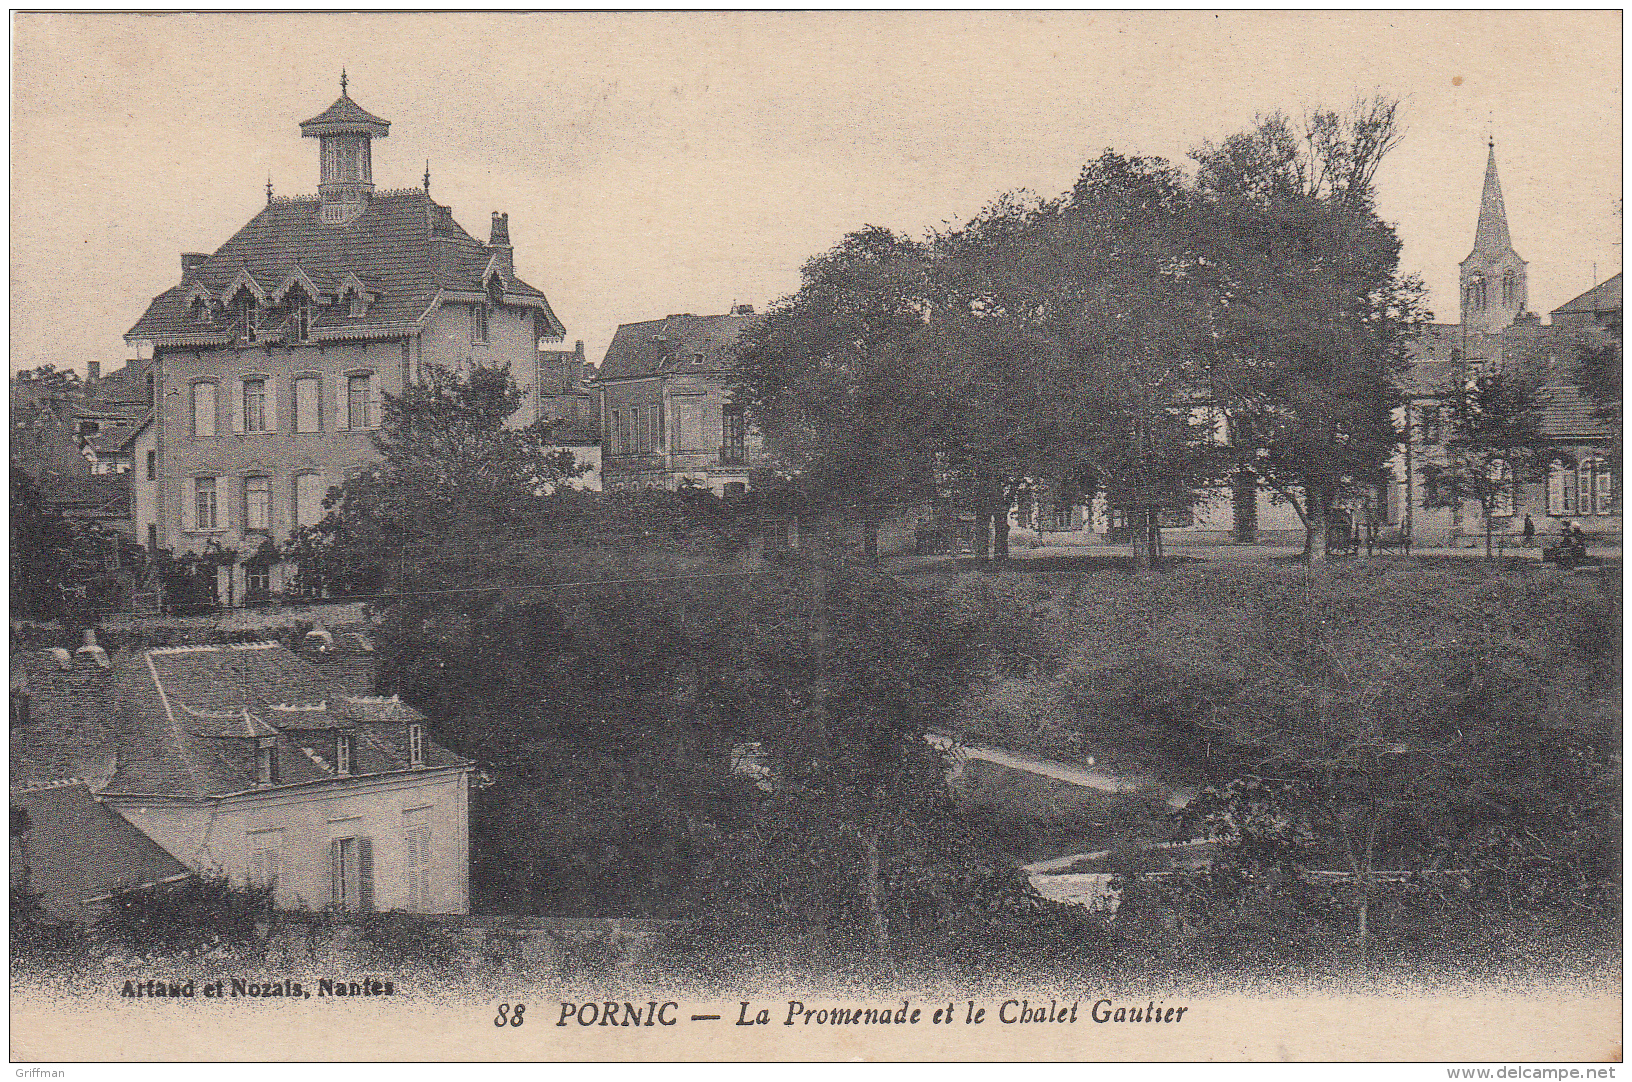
(499, 240)
(91, 650)
(93, 370)
(191, 261)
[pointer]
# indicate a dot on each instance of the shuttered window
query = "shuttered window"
(309, 492)
(265, 857)
(416, 845)
(307, 397)
(203, 409)
(351, 874)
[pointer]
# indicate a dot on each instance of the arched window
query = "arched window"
(1510, 289)
(1595, 487)
(1476, 291)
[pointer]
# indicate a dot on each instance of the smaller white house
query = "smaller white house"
(249, 760)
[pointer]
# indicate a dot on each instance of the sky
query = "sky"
(654, 163)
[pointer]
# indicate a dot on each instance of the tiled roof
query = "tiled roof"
(184, 720)
(403, 248)
(1603, 297)
(672, 345)
(1566, 413)
(345, 115)
(78, 849)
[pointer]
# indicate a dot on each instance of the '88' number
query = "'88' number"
(507, 1017)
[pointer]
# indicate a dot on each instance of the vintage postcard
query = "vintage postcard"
(816, 536)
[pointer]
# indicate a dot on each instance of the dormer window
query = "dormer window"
(266, 761)
(416, 745)
(247, 314)
(201, 310)
(342, 753)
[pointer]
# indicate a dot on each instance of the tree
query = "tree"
(824, 374)
(1311, 317)
(450, 473)
(1492, 445)
(1373, 720)
(66, 380)
(52, 557)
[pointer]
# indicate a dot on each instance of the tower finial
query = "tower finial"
(343, 82)
(269, 189)
(427, 176)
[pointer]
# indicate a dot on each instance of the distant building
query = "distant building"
(82, 443)
(272, 354)
(563, 395)
(1497, 334)
(251, 761)
(666, 414)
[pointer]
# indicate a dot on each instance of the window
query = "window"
(248, 314)
(733, 452)
(305, 314)
(626, 431)
(308, 417)
(152, 465)
(342, 753)
(203, 409)
(416, 847)
(1595, 488)
(359, 402)
(643, 432)
(201, 310)
(265, 857)
(478, 323)
(416, 745)
(152, 537)
(654, 417)
(351, 874)
(257, 503)
(308, 499)
(254, 405)
(266, 761)
(205, 505)
(257, 582)
(1510, 290)
(1474, 293)
(1561, 490)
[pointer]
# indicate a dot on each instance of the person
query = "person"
(1529, 532)
(1578, 540)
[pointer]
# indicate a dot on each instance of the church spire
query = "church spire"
(1492, 236)
(1494, 286)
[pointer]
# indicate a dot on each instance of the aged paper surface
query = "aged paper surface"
(663, 162)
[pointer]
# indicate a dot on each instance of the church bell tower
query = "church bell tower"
(1494, 289)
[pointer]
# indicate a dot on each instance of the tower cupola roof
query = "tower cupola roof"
(345, 117)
